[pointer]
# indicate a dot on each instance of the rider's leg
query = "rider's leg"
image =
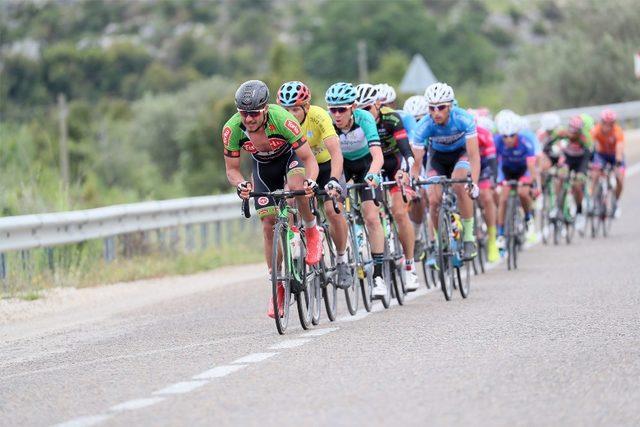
(489, 211)
(405, 228)
(502, 208)
(295, 180)
(465, 204)
(371, 214)
(267, 233)
(619, 181)
(435, 198)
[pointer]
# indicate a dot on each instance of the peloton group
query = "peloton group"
(361, 137)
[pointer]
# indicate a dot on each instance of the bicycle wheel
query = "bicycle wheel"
(424, 254)
(510, 231)
(569, 216)
(282, 265)
(351, 293)
(464, 278)
(328, 284)
(544, 218)
(387, 273)
(304, 297)
(315, 295)
(609, 207)
(445, 265)
(364, 269)
(397, 266)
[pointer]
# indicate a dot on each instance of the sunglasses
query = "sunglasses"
(513, 135)
(335, 110)
(250, 113)
(438, 107)
(368, 107)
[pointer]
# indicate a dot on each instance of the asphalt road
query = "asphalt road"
(555, 343)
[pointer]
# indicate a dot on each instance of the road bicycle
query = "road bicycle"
(603, 203)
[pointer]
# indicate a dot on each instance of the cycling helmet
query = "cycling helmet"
(340, 94)
(252, 95)
(608, 115)
(508, 122)
(386, 93)
(416, 105)
(549, 121)
(439, 93)
(576, 123)
(293, 93)
(486, 123)
(366, 95)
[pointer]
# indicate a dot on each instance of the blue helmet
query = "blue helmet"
(340, 94)
(293, 93)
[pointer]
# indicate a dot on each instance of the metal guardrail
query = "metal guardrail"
(627, 112)
(22, 233)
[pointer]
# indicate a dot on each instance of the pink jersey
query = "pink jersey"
(485, 143)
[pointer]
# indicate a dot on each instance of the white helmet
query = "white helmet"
(508, 122)
(439, 93)
(416, 105)
(550, 121)
(386, 93)
(366, 94)
(486, 123)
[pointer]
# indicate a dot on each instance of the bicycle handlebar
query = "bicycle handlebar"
(278, 194)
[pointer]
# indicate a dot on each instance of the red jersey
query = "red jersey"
(485, 143)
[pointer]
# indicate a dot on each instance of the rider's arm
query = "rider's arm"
(418, 154)
(418, 139)
(377, 159)
(333, 146)
(619, 135)
(232, 165)
(532, 165)
(473, 152)
(401, 137)
(306, 156)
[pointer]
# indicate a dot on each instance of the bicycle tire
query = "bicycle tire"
(397, 265)
(569, 220)
(464, 279)
(328, 264)
(351, 293)
(445, 271)
(305, 298)
(280, 237)
(510, 230)
(315, 298)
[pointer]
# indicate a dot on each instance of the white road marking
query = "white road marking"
(181, 387)
(254, 358)
(360, 314)
(289, 343)
(84, 421)
(319, 332)
(136, 404)
(632, 170)
(218, 372)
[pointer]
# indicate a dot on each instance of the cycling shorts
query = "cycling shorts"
(520, 174)
(270, 176)
(356, 170)
(602, 159)
(578, 164)
(444, 163)
(488, 173)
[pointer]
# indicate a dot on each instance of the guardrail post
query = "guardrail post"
(3, 268)
(190, 240)
(218, 233)
(49, 252)
(174, 239)
(161, 240)
(109, 249)
(25, 257)
(204, 236)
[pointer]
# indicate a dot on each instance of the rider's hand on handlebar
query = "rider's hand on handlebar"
(402, 176)
(333, 188)
(310, 187)
(473, 190)
(372, 179)
(243, 189)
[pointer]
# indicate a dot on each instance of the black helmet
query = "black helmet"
(252, 95)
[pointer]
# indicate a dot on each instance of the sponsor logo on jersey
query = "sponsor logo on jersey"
(292, 126)
(309, 134)
(263, 201)
(272, 128)
(293, 164)
(226, 135)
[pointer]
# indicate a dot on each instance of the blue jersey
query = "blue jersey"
(363, 134)
(534, 139)
(514, 158)
(408, 121)
(449, 137)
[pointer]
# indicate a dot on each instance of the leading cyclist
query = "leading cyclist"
(279, 154)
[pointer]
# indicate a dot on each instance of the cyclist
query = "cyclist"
(363, 160)
(415, 108)
(517, 160)
(279, 153)
(577, 154)
(548, 137)
(398, 160)
(609, 142)
(487, 183)
(387, 95)
(454, 152)
(318, 128)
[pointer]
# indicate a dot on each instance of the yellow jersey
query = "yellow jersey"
(317, 127)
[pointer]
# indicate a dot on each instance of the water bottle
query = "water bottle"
(360, 238)
(455, 228)
(296, 242)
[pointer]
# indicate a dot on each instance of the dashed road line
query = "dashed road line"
(319, 332)
(296, 342)
(84, 421)
(181, 387)
(254, 358)
(136, 404)
(218, 372)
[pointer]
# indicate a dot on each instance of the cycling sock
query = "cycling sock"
(500, 230)
(527, 216)
(491, 231)
(467, 230)
(310, 224)
(408, 264)
(378, 260)
(579, 208)
(342, 257)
